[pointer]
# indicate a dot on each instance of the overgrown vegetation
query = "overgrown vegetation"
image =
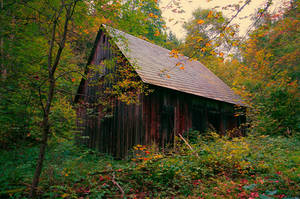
(246, 167)
(262, 67)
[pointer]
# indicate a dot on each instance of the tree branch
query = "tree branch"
(70, 11)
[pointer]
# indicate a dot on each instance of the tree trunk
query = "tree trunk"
(69, 8)
(39, 166)
(46, 132)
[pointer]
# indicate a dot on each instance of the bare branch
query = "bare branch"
(117, 184)
(69, 13)
(259, 17)
(41, 100)
(188, 145)
(67, 72)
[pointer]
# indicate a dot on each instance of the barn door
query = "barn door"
(167, 125)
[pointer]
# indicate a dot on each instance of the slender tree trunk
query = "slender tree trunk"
(45, 134)
(52, 66)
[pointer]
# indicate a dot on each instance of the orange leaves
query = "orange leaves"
(174, 53)
(200, 21)
(210, 14)
(181, 65)
(157, 33)
(153, 15)
(203, 50)
(234, 43)
(200, 39)
(86, 31)
(104, 20)
(178, 64)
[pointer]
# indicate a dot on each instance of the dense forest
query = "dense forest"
(44, 49)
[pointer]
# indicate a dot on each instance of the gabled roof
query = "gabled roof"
(155, 66)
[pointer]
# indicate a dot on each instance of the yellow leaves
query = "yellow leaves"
(200, 39)
(200, 21)
(65, 195)
(213, 52)
(157, 156)
(203, 50)
(174, 53)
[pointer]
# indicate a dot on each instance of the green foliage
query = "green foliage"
(225, 167)
(208, 35)
(142, 19)
(63, 119)
(267, 78)
(264, 70)
(246, 167)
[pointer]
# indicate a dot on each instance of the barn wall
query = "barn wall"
(168, 112)
(157, 118)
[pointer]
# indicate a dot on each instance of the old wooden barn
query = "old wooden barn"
(183, 98)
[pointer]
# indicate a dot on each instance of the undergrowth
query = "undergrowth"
(211, 167)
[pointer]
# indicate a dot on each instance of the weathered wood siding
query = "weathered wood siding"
(157, 118)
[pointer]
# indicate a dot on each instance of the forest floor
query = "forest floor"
(218, 167)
